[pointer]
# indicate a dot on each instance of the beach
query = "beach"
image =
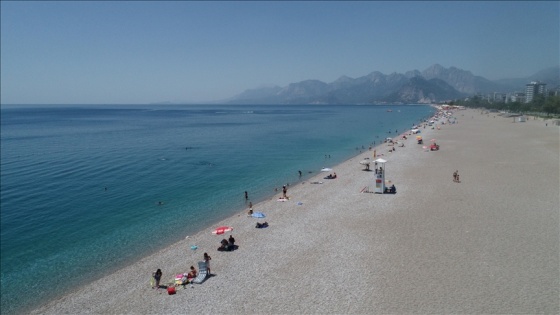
(489, 244)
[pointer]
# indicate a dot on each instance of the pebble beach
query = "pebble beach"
(487, 244)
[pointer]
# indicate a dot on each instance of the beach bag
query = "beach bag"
(171, 290)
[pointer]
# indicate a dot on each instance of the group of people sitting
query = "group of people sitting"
(186, 277)
(227, 245)
(391, 190)
(331, 176)
(180, 279)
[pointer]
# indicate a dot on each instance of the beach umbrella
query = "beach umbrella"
(222, 230)
(258, 215)
(365, 162)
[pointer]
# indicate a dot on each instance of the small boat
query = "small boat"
(389, 110)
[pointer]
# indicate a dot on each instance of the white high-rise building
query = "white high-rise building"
(533, 89)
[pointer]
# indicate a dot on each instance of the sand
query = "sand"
(489, 244)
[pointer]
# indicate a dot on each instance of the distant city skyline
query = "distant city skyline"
(147, 52)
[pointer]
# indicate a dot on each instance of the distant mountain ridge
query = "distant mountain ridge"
(434, 84)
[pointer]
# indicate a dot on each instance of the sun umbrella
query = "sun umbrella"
(258, 215)
(365, 162)
(222, 230)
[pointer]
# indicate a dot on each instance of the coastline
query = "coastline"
(436, 246)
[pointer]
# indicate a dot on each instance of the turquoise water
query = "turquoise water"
(80, 185)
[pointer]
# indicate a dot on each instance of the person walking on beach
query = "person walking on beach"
(456, 177)
(207, 259)
(284, 191)
(157, 277)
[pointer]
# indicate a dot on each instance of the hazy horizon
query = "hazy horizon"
(196, 52)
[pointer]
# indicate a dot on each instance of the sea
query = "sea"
(89, 189)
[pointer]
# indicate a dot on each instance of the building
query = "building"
(499, 97)
(518, 97)
(533, 89)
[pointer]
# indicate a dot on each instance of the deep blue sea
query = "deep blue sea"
(80, 185)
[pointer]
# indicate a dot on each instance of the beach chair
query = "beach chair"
(202, 273)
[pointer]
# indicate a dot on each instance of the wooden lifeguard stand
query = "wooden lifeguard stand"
(380, 176)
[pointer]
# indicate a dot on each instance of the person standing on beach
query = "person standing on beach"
(284, 191)
(157, 276)
(207, 259)
(456, 177)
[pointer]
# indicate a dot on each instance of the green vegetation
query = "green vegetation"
(540, 106)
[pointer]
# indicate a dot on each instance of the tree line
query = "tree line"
(540, 104)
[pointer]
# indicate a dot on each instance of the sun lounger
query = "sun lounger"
(202, 273)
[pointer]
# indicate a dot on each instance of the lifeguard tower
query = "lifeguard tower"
(380, 176)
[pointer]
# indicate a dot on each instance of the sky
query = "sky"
(128, 52)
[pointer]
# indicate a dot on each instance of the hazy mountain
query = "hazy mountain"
(420, 90)
(436, 83)
(550, 76)
(463, 81)
(267, 95)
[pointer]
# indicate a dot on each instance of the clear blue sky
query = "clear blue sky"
(142, 52)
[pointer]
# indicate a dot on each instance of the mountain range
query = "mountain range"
(434, 84)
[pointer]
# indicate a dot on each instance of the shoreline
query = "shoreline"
(274, 268)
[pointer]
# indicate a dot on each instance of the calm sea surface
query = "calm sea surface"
(80, 185)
